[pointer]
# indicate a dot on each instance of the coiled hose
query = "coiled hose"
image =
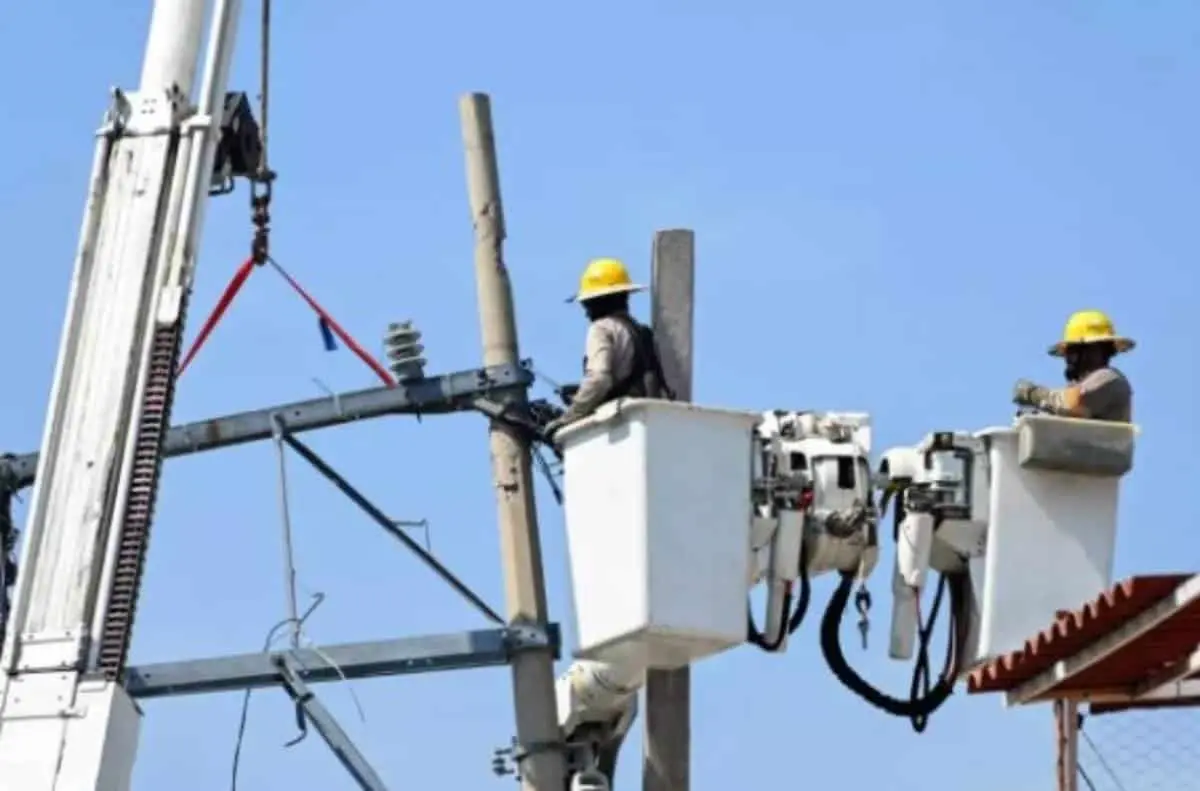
(923, 698)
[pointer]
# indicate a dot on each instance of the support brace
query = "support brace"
(387, 524)
(327, 725)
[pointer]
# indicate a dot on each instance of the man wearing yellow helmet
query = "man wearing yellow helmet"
(621, 359)
(1094, 388)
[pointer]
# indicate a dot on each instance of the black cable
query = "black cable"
(1083, 775)
(245, 715)
(548, 474)
(756, 637)
(919, 706)
(241, 736)
(922, 677)
(924, 697)
(1104, 764)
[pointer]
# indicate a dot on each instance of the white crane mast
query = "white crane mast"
(66, 724)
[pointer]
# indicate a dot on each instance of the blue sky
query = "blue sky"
(935, 185)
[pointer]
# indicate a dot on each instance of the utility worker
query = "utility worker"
(621, 359)
(1095, 389)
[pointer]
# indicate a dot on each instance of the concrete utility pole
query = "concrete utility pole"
(666, 757)
(512, 467)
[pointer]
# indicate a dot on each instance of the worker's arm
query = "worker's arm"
(1063, 401)
(598, 377)
(1100, 393)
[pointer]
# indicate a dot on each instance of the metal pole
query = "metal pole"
(1066, 721)
(512, 468)
(666, 755)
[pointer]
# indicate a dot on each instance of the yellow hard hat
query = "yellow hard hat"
(1090, 326)
(604, 276)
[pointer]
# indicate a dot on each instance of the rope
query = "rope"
(285, 518)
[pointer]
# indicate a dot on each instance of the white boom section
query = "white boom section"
(66, 724)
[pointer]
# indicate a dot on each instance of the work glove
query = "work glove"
(1026, 393)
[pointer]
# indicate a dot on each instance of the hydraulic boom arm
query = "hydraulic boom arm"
(65, 722)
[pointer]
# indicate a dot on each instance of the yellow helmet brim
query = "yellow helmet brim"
(1122, 344)
(624, 288)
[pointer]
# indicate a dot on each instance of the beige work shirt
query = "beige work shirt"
(1105, 393)
(611, 351)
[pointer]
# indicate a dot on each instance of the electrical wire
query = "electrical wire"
(1104, 764)
(548, 473)
(1083, 775)
(244, 717)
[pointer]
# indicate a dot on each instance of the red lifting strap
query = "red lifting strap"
(235, 285)
(323, 314)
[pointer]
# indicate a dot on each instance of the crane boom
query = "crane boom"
(65, 722)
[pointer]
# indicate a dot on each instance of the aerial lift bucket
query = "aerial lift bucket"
(658, 509)
(1052, 523)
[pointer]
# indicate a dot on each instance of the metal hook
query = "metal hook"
(862, 603)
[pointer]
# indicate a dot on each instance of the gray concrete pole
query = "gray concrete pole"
(666, 756)
(512, 467)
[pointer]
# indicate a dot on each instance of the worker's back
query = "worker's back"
(629, 349)
(1107, 395)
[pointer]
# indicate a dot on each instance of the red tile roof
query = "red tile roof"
(1134, 661)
